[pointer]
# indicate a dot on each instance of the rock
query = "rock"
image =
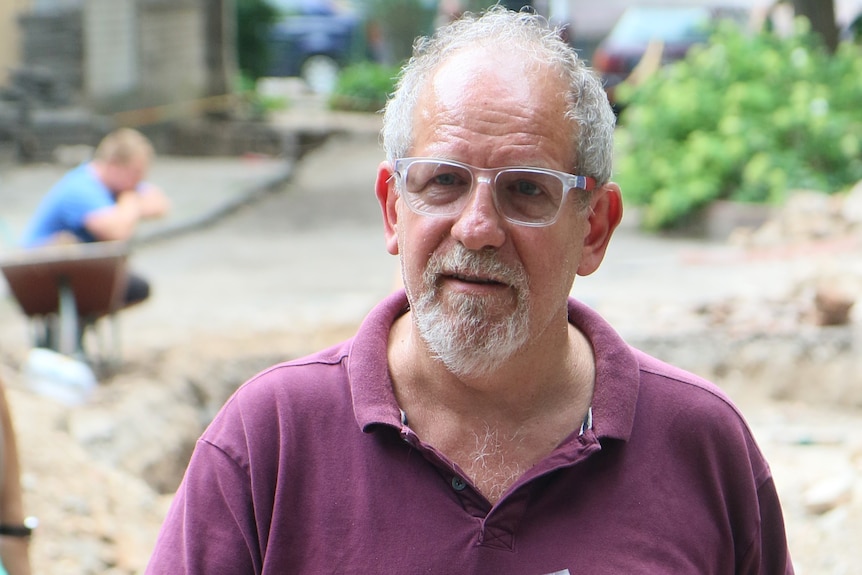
(808, 216)
(851, 211)
(832, 305)
(92, 517)
(146, 429)
(830, 493)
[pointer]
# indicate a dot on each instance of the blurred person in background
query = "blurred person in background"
(481, 420)
(102, 200)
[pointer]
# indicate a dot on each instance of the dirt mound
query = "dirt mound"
(100, 476)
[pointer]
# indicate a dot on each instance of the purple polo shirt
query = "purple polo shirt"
(309, 469)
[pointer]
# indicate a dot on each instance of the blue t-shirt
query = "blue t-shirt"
(66, 205)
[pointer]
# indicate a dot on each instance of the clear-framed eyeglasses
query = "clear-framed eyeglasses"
(522, 195)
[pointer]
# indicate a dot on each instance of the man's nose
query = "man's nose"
(480, 225)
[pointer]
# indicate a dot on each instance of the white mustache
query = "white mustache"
(484, 265)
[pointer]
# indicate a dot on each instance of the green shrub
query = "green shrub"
(253, 19)
(363, 87)
(253, 104)
(744, 117)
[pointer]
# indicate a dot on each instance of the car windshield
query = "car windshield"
(321, 7)
(640, 25)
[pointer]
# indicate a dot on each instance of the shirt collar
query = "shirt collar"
(617, 372)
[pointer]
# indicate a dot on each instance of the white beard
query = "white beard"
(464, 332)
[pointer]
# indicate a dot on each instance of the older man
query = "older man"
(481, 421)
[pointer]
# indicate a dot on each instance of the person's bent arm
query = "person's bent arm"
(14, 549)
(117, 222)
(153, 202)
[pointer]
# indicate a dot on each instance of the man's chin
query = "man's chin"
(470, 352)
(489, 307)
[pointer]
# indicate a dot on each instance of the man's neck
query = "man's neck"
(497, 426)
(535, 378)
(100, 170)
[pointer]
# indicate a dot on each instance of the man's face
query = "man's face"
(122, 177)
(481, 288)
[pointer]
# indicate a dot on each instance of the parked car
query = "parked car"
(313, 40)
(664, 33)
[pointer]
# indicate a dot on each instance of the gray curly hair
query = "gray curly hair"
(588, 107)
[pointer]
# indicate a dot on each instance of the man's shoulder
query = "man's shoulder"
(79, 185)
(82, 173)
(662, 377)
(317, 369)
(300, 389)
(672, 392)
(334, 387)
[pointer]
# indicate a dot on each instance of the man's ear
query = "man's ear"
(606, 212)
(386, 196)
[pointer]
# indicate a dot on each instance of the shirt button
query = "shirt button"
(458, 484)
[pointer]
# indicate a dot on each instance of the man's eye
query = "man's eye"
(447, 179)
(527, 188)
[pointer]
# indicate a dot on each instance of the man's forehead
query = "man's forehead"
(139, 162)
(476, 69)
(491, 91)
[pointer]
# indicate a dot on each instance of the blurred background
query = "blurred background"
(71, 68)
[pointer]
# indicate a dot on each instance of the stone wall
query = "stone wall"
(144, 53)
(84, 63)
(815, 365)
(112, 54)
(10, 53)
(52, 49)
(172, 51)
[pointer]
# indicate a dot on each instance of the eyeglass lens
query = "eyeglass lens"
(521, 195)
